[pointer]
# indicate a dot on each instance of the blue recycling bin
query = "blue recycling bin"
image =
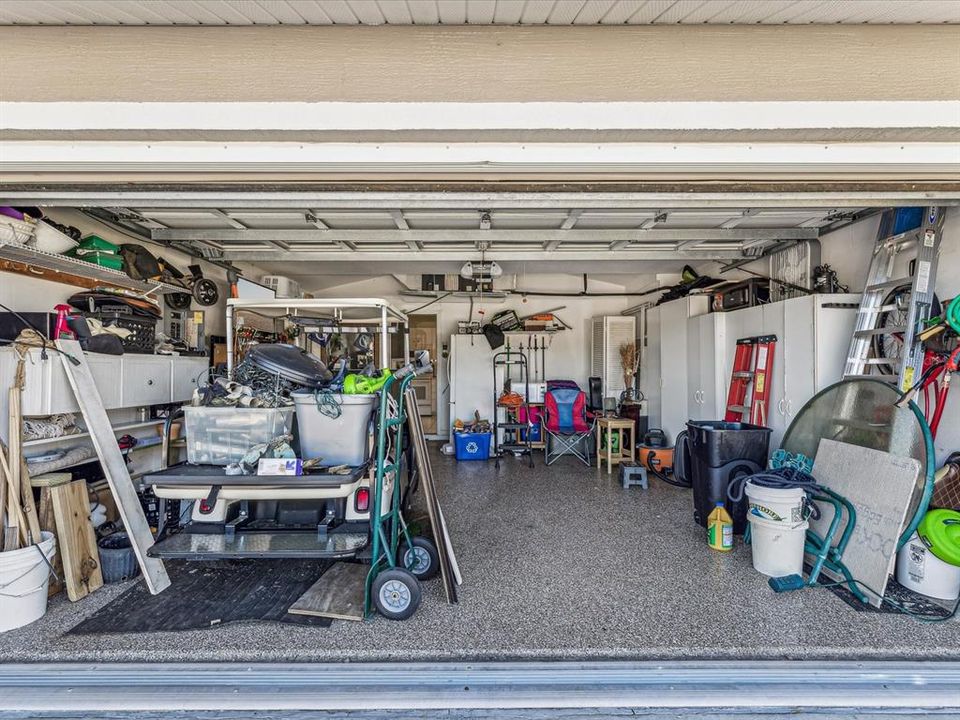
(472, 446)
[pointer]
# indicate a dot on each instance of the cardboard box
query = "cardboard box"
(280, 466)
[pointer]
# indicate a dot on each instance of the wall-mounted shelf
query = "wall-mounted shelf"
(80, 436)
(24, 260)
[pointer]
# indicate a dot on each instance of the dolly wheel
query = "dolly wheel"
(422, 559)
(396, 593)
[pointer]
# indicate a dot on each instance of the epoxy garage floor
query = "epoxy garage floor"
(558, 562)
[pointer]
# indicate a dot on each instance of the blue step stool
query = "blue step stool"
(633, 473)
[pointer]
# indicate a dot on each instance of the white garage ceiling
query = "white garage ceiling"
(474, 12)
(443, 234)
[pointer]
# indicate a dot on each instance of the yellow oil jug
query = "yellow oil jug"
(720, 529)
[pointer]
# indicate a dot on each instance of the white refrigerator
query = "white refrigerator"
(471, 378)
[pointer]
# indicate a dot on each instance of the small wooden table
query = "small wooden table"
(624, 448)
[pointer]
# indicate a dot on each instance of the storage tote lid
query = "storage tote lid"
(940, 531)
(291, 363)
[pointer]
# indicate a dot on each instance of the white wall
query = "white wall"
(568, 355)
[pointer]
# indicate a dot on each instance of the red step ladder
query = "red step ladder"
(752, 363)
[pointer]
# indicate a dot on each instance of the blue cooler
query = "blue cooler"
(472, 446)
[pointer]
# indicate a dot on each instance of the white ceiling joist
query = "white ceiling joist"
(538, 237)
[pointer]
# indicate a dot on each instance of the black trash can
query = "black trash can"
(721, 452)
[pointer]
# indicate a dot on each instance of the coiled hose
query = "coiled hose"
(952, 315)
(780, 478)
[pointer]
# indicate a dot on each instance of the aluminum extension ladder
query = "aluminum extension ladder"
(924, 242)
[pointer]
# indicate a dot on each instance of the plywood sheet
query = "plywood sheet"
(76, 540)
(337, 594)
(880, 486)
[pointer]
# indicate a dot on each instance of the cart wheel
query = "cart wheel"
(177, 301)
(205, 292)
(396, 593)
(422, 559)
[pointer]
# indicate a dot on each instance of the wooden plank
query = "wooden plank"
(880, 486)
(13, 520)
(76, 539)
(29, 504)
(441, 537)
(337, 594)
(12, 468)
(113, 465)
(48, 522)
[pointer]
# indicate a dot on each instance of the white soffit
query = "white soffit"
(399, 116)
(476, 12)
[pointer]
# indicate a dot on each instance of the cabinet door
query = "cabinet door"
(105, 370)
(186, 374)
(776, 410)
(146, 380)
(799, 356)
(714, 366)
(650, 366)
(694, 374)
(673, 367)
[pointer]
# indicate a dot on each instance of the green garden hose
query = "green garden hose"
(952, 315)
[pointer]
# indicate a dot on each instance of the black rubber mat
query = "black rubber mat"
(914, 603)
(206, 594)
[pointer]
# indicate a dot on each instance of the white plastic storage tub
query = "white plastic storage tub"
(16, 232)
(51, 240)
(340, 440)
(222, 435)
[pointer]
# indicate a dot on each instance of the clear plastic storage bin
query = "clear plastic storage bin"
(222, 435)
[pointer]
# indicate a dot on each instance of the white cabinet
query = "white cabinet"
(650, 366)
(187, 373)
(707, 367)
(813, 336)
(146, 381)
(58, 395)
(675, 388)
(126, 381)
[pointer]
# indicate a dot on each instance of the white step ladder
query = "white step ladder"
(923, 245)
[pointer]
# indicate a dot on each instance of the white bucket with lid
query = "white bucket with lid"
(777, 547)
(778, 505)
(24, 576)
(923, 572)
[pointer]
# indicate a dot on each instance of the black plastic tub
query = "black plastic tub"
(721, 452)
(717, 442)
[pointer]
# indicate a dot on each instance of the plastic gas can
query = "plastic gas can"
(720, 529)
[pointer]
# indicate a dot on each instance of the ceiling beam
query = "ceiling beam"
(433, 256)
(472, 236)
(235, 224)
(571, 219)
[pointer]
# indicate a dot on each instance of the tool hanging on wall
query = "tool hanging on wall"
(752, 364)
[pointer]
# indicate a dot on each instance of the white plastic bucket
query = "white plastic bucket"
(342, 440)
(779, 505)
(24, 576)
(925, 573)
(777, 547)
